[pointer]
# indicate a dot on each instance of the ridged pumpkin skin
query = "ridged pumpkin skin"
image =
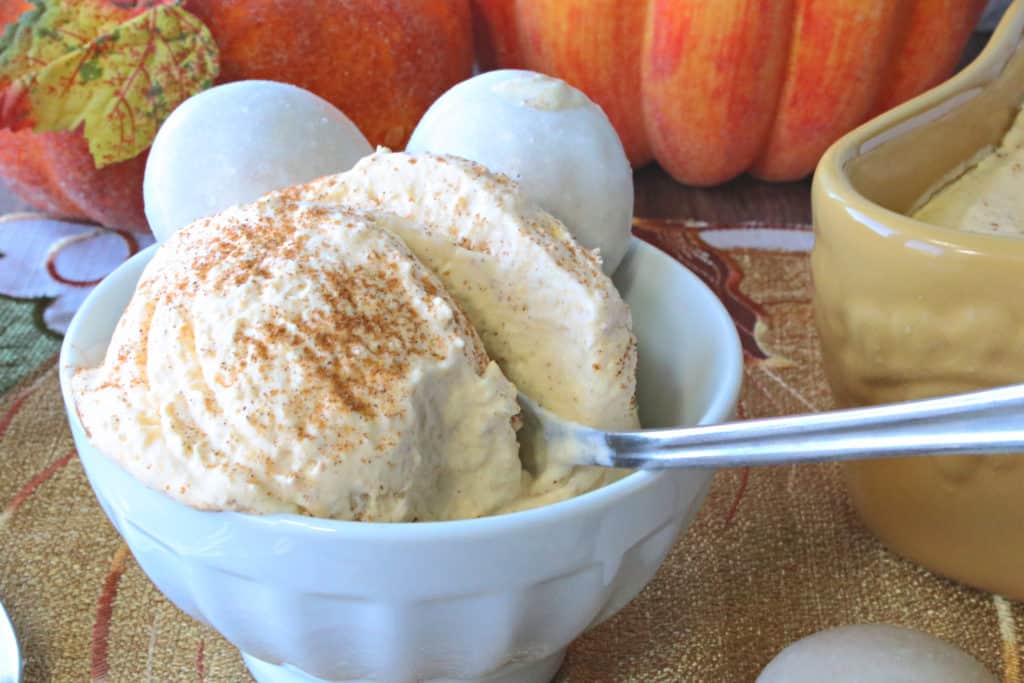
(713, 89)
(382, 62)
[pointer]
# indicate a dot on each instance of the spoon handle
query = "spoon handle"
(981, 422)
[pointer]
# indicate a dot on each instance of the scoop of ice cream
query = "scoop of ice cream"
(985, 197)
(542, 306)
(291, 357)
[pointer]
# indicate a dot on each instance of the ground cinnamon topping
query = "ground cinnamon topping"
(294, 355)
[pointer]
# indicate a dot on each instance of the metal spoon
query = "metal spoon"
(986, 422)
(10, 657)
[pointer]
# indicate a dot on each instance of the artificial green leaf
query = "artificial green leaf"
(116, 69)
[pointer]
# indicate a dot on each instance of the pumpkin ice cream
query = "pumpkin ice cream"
(303, 353)
(987, 196)
(546, 313)
(286, 357)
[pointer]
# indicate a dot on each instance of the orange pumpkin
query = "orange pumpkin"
(711, 89)
(55, 172)
(382, 62)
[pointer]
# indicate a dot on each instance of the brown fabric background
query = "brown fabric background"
(775, 554)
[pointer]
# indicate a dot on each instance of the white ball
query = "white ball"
(873, 653)
(549, 137)
(234, 142)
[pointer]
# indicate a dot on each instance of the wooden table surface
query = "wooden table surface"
(658, 196)
(741, 200)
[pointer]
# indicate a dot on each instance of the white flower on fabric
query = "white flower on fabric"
(59, 262)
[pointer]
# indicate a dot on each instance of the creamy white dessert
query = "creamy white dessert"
(987, 197)
(327, 351)
(542, 306)
(291, 357)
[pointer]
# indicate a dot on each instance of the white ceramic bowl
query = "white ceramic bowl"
(496, 599)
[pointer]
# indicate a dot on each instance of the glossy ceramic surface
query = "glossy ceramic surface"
(495, 599)
(910, 310)
(10, 656)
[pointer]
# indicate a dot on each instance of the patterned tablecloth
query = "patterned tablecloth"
(775, 554)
